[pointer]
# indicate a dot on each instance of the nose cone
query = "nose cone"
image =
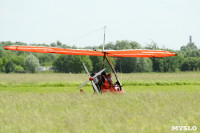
(91, 78)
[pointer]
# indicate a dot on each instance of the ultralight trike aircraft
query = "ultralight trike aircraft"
(100, 81)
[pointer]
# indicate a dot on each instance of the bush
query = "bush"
(31, 63)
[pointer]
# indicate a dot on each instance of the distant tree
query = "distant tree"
(53, 44)
(60, 64)
(18, 60)
(153, 45)
(126, 65)
(45, 59)
(110, 46)
(190, 64)
(189, 46)
(74, 47)
(6, 43)
(31, 63)
(3, 63)
(71, 63)
(77, 66)
(124, 44)
(66, 46)
(170, 64)
(143, 65)
(18, 68)
(20, 43)
(1, 53)
(58, 43)
(96, 63)
(9, 67)
(158, 64)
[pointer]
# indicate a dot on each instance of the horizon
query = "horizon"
(94, 46)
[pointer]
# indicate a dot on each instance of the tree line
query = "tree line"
(188, 59)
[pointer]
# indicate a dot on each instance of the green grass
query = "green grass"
(74, 78)
(135, 79)
(51, 103)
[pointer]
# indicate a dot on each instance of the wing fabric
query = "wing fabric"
(113, 53)
(39, 49)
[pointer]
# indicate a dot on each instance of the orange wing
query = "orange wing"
(114, 53)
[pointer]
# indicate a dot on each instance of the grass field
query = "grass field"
(154, 102)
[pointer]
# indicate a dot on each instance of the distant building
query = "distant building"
(44, 69)
(41, 68)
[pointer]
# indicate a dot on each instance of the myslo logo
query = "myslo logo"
(184, 128)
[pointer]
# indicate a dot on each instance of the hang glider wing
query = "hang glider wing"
(113, 53)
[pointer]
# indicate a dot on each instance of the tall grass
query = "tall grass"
(141, 111)
(47, 103)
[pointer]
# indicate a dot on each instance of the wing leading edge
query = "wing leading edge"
(114, 53)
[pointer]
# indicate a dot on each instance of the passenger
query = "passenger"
(117, 88)
(109, 79)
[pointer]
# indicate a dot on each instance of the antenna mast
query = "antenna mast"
(104, 38)
(190, 39)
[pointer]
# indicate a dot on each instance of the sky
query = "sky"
(169, 23)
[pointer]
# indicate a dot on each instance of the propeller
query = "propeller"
(91, 78)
